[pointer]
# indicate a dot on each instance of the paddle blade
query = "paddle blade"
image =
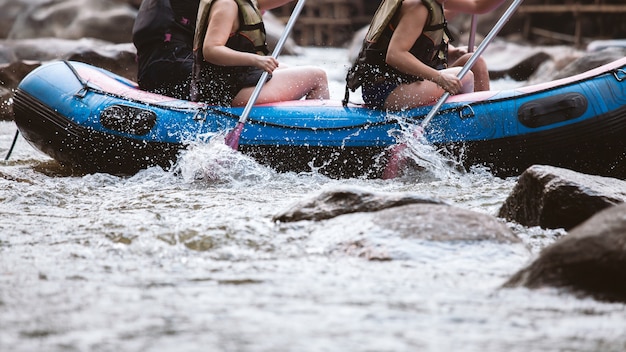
(397, 160)
(232, 138)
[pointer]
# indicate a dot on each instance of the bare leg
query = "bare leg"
(408, 96)
(291, 83)
(480, 70)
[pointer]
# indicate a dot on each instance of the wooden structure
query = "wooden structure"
(326, 22)
(334, 22)
(604, 16)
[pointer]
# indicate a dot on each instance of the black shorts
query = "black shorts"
(167, 71)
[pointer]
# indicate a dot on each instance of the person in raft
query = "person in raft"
(403, 62)
(163, 36)
(231, 53)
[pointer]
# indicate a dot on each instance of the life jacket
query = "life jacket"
(251, 36)
(158, 21)
(431, 47)
(218, 84)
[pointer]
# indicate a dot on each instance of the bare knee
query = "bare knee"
(319, 89)
(468, 83)
(481, 75)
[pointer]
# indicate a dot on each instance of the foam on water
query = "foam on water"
(189, 259)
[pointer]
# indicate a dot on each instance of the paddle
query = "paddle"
(232, 138)
(472, 38)
(394, 162)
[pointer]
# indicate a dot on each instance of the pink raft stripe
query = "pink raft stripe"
(129, 89)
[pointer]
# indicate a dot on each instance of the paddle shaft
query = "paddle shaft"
(472, 60)
(277, 50)
(472, 38)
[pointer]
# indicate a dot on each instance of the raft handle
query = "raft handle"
(617, 75)
(463, 114)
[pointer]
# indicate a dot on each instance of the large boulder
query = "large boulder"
(332, 203)
(107, 20)
(552, 197)
(10, 10)
(10, 76)
(407, 216)
(589, 261)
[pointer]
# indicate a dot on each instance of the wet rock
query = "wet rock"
(46, 49)
(10, 10)
(406, 215)
(74, 19)
(333, 203)
(119, 59)
(10, 76)
(274, 30)
(552, 197)
(524, 69)
(589, 261)
(439, 222)
(591, 60)
(599, 45)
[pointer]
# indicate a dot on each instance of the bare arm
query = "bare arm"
(471, 6)
(413, 15)
(271, 4)
(223, 21)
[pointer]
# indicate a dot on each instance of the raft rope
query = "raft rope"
(17, 133)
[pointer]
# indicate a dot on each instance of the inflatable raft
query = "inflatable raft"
(92, 120)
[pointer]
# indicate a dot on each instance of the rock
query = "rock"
(274, 30)
(599, 45)
(10, 76)
(591, 60)
(10, 10)
(440, 222)
(524, 69)
(590, 260)
(47, 49)
(336, 202)
(108, 20)
(552, 197)
(119, 59)
(354, 47)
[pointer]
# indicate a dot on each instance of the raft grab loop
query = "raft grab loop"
(466, 112)
(619, 74)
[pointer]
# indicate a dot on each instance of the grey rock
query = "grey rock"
(553, 197)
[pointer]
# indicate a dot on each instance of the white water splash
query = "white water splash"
(215, 162)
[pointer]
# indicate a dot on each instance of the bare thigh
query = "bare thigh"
(292, 83)
(407, 96)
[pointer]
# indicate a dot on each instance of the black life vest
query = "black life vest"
(218, 84)
(431, 47)
(162, 21)
(250, 37)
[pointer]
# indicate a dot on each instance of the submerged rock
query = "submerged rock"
(404, 215)
(437, 222)
(333, 203)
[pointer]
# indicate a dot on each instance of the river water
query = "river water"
(191, 261)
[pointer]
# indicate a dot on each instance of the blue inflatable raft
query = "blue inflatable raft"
(92, 120)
